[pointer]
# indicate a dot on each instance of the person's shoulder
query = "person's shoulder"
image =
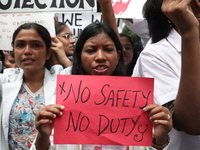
(161, 46)
(67, 71)
(12, 71)
(56, 69)
(12, 74)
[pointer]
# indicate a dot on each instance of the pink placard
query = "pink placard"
(103, 110)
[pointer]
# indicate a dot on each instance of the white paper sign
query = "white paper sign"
(128, 8)
(24, 6)
(78, 21)
(10, 22)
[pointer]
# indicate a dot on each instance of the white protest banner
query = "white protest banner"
(78, 21)
(128, 8)
(24, 6)
(10, 22)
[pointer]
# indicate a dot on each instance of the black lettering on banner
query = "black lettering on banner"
(17, 4)
(118, 98)
(78, 123)
(112, 126)
(102, 94)
(82, 125)
(71, 5)
(125, 98)
(78, 32)
(76, 98)
(41, 6)
(67, 21)
(62, 5)
(6, 6)
(92, 19)
(147, 99)
(90, 2)
(135, 98)
(101, 131)
(25, 5)
(142, 132)
(76, 19)
(105, 122)
(134, 124)
(111, 98)
(53, 4)
(62, 88)
(124, 126)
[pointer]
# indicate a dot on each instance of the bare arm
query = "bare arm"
(108, 14)
(187, 103)
(58, 55)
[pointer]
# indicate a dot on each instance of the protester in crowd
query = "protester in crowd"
(171, 57)
(7, 59)
(62, 45)
(98, 52)
(139, 27)
(1, 61)
(138, 24)
(26, 88)
(130, 53)
(64, 36)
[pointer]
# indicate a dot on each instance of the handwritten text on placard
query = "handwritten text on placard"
(103, 110)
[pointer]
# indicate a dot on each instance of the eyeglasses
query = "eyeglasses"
(68, 36)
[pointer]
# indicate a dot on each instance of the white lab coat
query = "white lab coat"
(10, 84)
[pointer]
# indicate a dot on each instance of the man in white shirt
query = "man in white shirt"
(161, 60)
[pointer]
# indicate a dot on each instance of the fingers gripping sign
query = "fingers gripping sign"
(161, 117)
(45, 117)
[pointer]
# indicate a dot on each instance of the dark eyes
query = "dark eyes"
(22, 45)
(90, 51)
(128, 48)
(36, 45)
(108, 50)
(19, 45)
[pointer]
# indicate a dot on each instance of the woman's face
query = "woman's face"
(30, 50)
(68, 41)
(99, 55)
(127, 51)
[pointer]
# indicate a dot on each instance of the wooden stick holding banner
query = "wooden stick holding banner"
(103, 110)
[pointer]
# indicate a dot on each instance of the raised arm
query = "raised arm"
(108, 14)
(187, 103)
(58, 53)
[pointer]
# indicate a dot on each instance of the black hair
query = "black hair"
(90, 31)
(159, 25)
(42, 32)
(59, 27)
(2, 58)
(129, 68)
